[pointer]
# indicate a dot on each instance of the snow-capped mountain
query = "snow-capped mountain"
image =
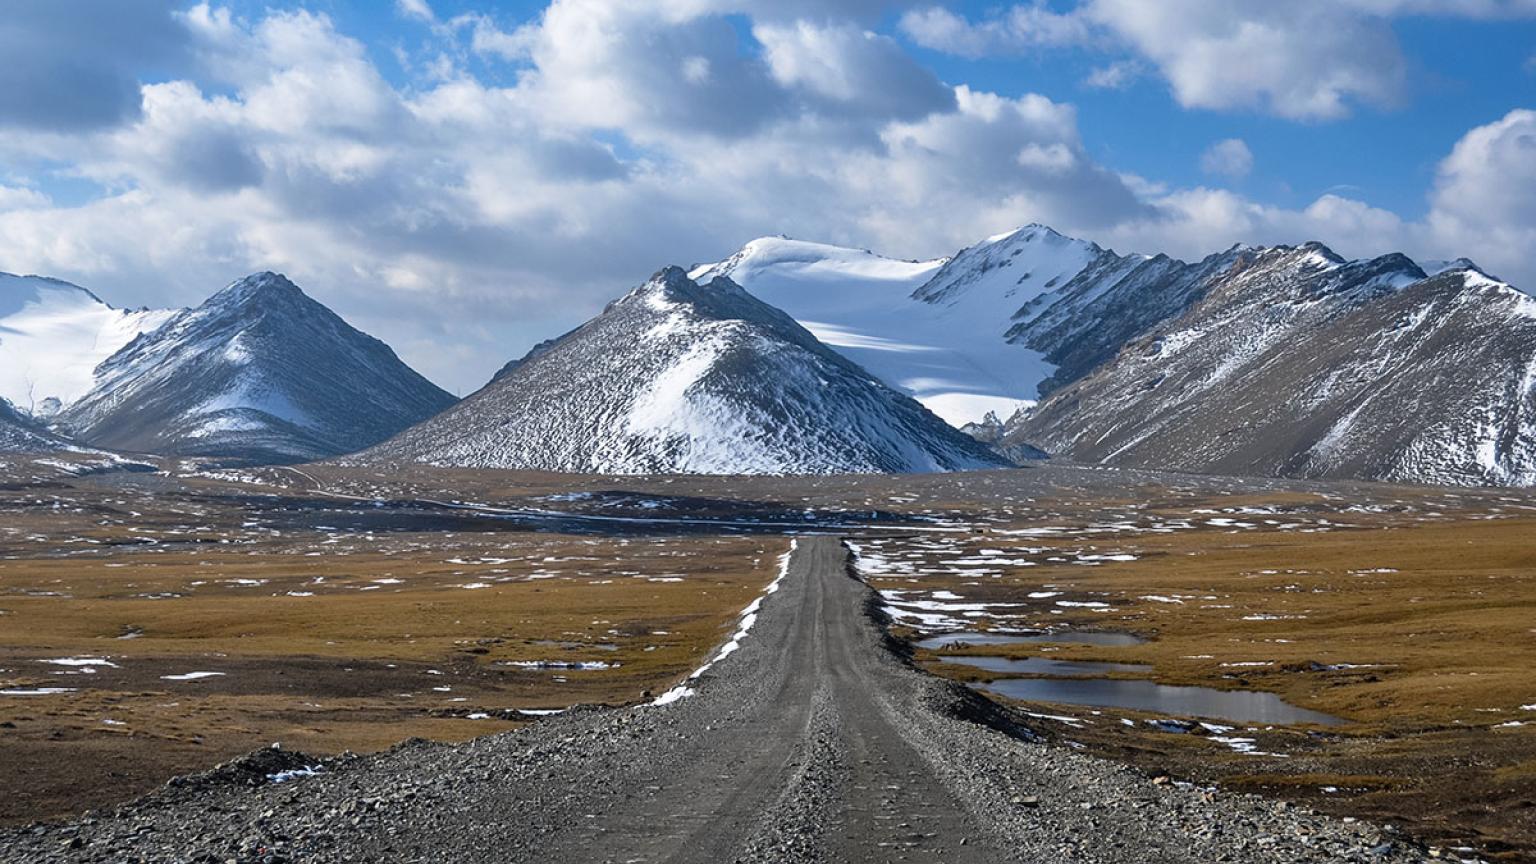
(21, 434)
(260, 371)
(52, 337)
(987, 332)
(1293, 361)
(933, 329)
(687, 378)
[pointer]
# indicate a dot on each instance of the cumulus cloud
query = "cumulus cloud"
(1308, 59)
(1482, 201)
(491, 216)
(1015, 30)
(852, 68)
(464, 218)
(1228, 158)
(1302, 59)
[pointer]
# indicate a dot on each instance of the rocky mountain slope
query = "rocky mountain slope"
(682, 377)
(261, 372)
(21, 434)
(1293, 361)
(52, 337)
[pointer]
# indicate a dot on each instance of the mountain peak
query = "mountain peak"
(682, 377)
(259, 371)
(1030, 232)
(256, 287)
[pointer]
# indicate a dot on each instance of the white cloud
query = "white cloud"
(417, 9)
(1482, 204)
(1306, 59)
(21, 198)
(1015, 30)
(854, 68)
(1301, 59)
(488, 39)
(463, 221)
(1115, 76)
(1228, 158)
(457, 212)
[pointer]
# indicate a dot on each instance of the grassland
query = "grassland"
(324, 638)
(1413, 619)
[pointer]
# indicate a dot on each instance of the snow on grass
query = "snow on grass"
(748, 618)
(86, 662)
(1245, 746)
(36, 691)
(191, 676)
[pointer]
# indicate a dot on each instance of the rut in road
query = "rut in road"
(811, 743)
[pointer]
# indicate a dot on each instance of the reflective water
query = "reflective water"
(1237, 706)
(1046, 666)
(1066, 637)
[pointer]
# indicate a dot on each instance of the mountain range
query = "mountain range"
(800, 357)
(1296, 362)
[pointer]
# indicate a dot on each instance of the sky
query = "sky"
(465, 178)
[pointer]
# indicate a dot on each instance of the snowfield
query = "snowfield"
(53, 335)
(933, 329)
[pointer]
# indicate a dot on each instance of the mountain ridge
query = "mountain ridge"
(678, 377)
(258, 371)
(1298, 362)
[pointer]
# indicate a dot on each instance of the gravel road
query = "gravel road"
(814, 741)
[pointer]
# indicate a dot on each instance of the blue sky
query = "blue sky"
(465, 178)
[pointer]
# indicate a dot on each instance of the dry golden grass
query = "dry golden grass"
(1427, 617)
(327, 639)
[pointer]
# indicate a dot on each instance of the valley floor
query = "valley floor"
(155, 624)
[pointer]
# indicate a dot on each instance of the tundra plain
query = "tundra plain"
(334, 609)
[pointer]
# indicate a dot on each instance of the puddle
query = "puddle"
(1238, 706)
(1075, 637)
(1046, 666)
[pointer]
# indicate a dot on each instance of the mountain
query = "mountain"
(259, 372)
(21, 434)
(932, 329)
(1293, 361)
(988, 331)
(52, 337)
(678, 377)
